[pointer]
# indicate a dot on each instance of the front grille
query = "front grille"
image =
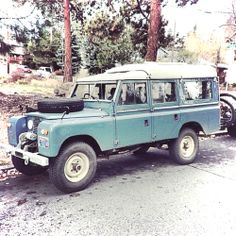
(36, 120)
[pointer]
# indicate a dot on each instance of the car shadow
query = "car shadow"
(212, 152)
(119, 165)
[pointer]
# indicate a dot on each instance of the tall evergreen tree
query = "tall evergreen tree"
(135, 14)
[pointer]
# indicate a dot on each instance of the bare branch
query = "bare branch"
(17, 18)
(140, 8)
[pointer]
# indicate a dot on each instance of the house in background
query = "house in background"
(10, 60)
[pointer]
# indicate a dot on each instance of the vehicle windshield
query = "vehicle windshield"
(103, 91)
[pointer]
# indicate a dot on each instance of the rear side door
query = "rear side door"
(165, 109)
(133, 114)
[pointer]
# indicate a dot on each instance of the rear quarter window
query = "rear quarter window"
(197, 90)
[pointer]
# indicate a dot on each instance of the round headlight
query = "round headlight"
(30, 124)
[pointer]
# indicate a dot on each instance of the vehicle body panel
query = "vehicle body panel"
(64, 129)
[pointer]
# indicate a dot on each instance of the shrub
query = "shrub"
(15, 76)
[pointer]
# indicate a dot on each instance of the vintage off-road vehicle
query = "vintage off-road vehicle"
(132, 107)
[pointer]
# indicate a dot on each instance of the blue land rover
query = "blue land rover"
(132, 107)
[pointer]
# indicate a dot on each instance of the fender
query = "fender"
(53, 133)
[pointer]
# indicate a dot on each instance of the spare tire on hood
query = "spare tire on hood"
(60, 105)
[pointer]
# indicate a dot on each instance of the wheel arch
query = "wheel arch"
(82, 138)
(194, 126)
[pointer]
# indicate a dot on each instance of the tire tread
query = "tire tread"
(55, 172)
(60, 105)
(174, 147)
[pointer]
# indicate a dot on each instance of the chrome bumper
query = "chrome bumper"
(28, 157)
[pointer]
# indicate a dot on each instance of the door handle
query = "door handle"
(146, 123)
(176, 116)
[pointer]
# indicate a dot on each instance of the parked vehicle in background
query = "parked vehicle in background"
(19, 70)
(228, 111)
(227, 76)
(24, 68)
(130, 108)
(44, 71)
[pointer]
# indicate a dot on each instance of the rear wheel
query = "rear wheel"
(227, 112)
(29, 170)
(74, 168)
(184, 149)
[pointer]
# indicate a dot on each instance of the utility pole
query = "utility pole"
(153, 30)
(67, 30)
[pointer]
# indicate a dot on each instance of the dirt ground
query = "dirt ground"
(10, 105)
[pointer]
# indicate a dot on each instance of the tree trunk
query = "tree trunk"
(153, 30)
(67, 61)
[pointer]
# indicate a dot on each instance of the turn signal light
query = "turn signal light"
(44, 132)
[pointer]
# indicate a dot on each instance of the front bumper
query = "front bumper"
(28, 157)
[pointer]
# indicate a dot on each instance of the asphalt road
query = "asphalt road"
(149, 195)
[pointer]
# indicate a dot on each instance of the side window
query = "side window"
(110, 91)
(133, 93)
(163, 92)
(206, 89)
(103, 91)
(82, 90)
(197, 90)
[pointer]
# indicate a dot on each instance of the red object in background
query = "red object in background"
(20, 70)
(24, 69)
(15, 59)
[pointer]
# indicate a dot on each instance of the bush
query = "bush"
(59, 72)
(15, 76)
(34, 77)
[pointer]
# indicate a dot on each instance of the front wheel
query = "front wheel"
(29, 170)
(74, 168)
(184, 149)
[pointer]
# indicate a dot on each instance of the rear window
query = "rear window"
(197, 90)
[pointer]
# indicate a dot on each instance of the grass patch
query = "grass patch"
(44, 87)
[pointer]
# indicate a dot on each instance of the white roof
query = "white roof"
(115, 76)
(154, 70)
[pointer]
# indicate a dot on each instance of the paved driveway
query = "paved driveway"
(149, 195)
